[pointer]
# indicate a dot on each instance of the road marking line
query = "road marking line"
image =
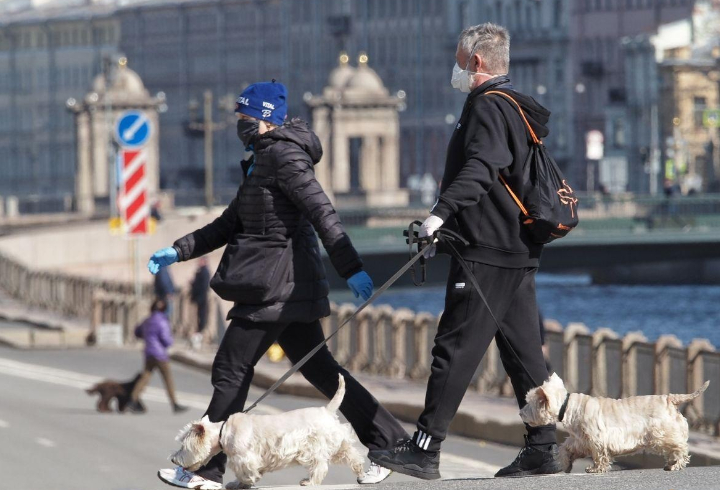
(45, 442)
(83, 381)
(4, 425)
(465, 466)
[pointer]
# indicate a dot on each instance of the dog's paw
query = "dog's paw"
(305, 482)
(597, 469)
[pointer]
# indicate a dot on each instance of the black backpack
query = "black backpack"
(549, 209)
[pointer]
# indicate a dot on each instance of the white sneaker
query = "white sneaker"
(182, 478)
(374, 474)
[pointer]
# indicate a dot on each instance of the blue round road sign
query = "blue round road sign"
(132, 129)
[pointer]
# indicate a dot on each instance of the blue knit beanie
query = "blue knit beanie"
(266, 101)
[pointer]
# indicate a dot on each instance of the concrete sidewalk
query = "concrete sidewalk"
(25, 327)
(483, 417)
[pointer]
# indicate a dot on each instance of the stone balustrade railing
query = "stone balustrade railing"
(397, 342)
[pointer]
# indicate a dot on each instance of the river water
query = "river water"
(685, 311)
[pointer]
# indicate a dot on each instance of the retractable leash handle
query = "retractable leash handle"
(413, 238)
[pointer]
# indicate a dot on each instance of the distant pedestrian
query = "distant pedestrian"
(199, 289)
(165, 290)
(155, 331)
(155, 212)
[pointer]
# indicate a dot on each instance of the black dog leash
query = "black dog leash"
(420, 242)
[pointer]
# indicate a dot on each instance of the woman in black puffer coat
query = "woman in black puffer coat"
(272, 271)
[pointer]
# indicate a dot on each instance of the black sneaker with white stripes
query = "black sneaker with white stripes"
(409, 458)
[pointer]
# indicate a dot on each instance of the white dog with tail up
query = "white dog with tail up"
(257, 444)
(603, 428)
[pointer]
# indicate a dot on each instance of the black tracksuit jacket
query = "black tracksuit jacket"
(490, 139)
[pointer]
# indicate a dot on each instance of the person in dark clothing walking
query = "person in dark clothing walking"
(490, 139)
(165, 289)
(281, 290)
(199, 295)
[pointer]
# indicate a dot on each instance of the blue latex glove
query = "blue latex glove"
(361, 285)
(162, 258)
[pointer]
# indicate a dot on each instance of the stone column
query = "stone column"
(390, 156)
(340, 161)
(370, 178)
(321, 127)
(99, 158)
(83, 181)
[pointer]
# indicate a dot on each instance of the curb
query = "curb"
(465, 423)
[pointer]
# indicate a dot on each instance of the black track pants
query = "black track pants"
(464, 334)
(242, 347)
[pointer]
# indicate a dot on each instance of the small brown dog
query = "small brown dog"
(110, 389)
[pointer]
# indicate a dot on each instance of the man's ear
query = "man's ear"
(476, 63)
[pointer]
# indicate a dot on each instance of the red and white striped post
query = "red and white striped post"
(133, 201)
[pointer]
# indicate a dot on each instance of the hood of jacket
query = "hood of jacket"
(536, 114)
(295, 131)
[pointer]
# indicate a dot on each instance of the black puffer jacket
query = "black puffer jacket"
(281, 197)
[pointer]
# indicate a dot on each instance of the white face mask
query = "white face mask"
(463, 79)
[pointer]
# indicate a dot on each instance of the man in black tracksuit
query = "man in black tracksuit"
(490, 139)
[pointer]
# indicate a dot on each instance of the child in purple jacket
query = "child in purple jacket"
(155, 330)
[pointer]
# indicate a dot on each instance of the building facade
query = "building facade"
(46, 57)
(599, 93)
(567, 54)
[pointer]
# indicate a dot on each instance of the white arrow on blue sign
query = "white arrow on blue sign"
(132, 129)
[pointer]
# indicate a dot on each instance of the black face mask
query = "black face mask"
(246, 130)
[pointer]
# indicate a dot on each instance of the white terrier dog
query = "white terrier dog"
(257, 444)
(603, 428)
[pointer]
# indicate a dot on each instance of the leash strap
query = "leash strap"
(369, 301)
(412, 239)
(475, 284)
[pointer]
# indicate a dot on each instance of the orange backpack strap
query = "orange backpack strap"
(535, 139)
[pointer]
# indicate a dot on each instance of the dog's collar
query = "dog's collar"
(222, 427)
(563, 408)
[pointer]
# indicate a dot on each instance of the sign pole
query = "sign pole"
(136, 256)
(132, 131)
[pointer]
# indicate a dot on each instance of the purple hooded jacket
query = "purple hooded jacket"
(155, 330)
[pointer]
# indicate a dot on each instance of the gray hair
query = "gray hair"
(491, 42)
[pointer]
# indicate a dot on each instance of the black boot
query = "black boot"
(407, 458)
(533, 461)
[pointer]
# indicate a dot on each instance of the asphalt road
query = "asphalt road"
(52, 437)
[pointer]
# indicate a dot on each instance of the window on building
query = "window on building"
(559, 71)
(557, 13)
(699, 106)
(618, 132)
